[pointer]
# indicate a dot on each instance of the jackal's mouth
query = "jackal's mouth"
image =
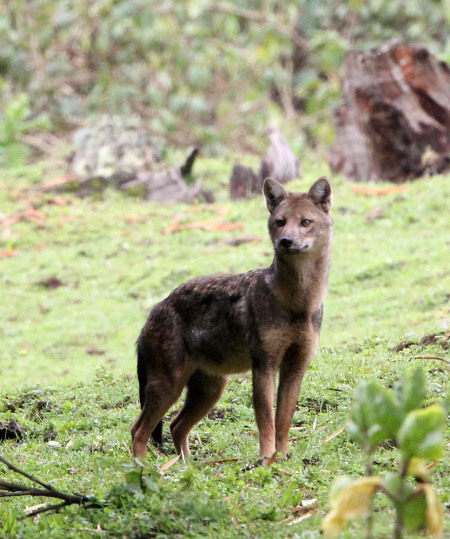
(294, 249)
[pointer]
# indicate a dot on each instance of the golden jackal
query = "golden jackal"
(266, 320)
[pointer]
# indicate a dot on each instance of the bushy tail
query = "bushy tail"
(142, 362)
(141, 372)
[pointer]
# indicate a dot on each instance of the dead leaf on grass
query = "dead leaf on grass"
(95, 352)
(33, 215)
(333, 435)
(33, 507)
(299, 513)
(222, 210)
(98, 529)
(272, 459)
(59, 181)
(210, 226)
(374, 213)
(58, 201)
(378, 191)
(30, 215)
(169, 463)
(8, 253)
(309, 503)
(235, 522)
(236, 242)
(132, 219)
(52, 443)
(303, 517)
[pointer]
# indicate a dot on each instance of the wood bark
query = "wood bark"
(279, 164)
(394, 122)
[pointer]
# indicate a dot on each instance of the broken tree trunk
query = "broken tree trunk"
(279, 164)
(243, 182)
(394, 123)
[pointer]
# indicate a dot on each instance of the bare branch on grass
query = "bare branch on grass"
(8, 489)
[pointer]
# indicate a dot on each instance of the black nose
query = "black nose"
(286, 242)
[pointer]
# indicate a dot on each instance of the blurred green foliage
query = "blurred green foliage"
(198, 70)
(379, 415)
(15, 120)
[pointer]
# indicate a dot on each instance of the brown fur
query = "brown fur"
(266, 320)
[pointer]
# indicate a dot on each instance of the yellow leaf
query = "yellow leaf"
(351, 502)
(418, 469)
(435, 512)
(333, 524)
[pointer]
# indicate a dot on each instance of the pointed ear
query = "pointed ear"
(320, 193)
(274, 192)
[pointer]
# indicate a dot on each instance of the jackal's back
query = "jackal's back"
(212, 316)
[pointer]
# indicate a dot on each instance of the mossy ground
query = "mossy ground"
(75, 296)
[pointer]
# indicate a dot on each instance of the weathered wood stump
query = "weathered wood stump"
(244, 182)
(279, 163)
(394, 123)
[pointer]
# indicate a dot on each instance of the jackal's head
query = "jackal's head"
(299, 222)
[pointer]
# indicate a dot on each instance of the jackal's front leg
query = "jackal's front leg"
(263, 397)
(291, 376)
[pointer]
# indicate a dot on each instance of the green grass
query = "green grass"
(67, 364)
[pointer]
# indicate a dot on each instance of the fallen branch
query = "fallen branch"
(434, 357)
(8, 489)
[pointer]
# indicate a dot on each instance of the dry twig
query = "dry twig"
(8, 489)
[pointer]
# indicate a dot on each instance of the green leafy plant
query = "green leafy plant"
(201, 70)
(377, 416)
(15, 120)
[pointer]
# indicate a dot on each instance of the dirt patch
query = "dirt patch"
(11, 431)
(440, 339)
(219, 413)
(318, 406)
(119, 404)
(34, 401)
(51, 283)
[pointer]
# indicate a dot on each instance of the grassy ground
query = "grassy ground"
(76, 285)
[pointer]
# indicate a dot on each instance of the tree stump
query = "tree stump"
(394, 123)
(279, 164)
(243, 182)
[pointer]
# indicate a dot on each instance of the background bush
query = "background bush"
(197, 70)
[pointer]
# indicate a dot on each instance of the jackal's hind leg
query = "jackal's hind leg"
(203, 391)
(160, 394)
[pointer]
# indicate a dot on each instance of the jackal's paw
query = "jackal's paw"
(265, 461)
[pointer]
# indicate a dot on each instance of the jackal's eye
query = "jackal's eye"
(305, 222)
(280, 222)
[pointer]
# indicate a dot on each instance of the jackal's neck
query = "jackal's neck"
(300, 281)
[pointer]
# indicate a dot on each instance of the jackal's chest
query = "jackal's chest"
(277, 340)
